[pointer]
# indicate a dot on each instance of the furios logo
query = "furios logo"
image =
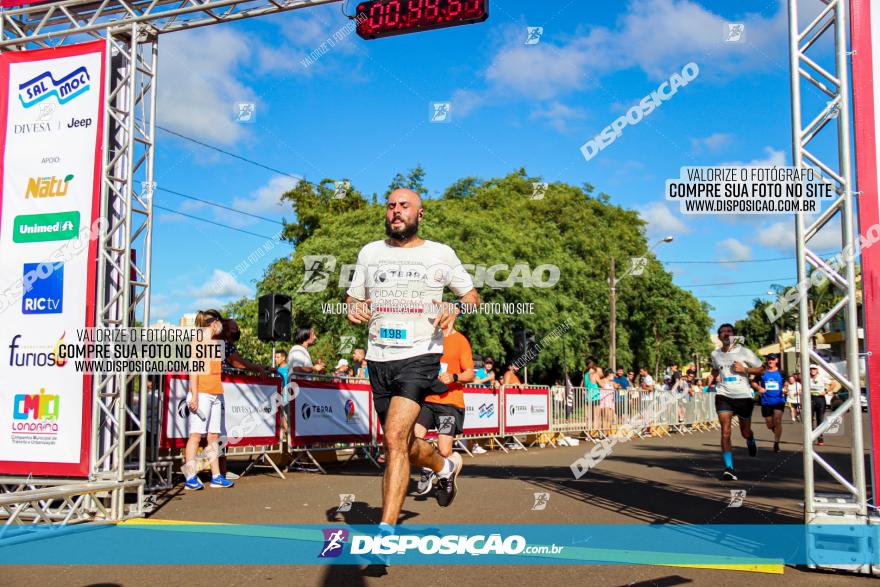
(47, 187)
(44, 86)
(22, 355)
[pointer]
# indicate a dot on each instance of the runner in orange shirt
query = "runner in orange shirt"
(445, 411)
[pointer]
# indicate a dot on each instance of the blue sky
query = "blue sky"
(361, 112)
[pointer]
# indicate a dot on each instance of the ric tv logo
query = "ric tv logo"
(35, 413)
(44, 86)
(44, 288)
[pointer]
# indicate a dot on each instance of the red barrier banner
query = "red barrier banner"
(252, 415)
(526, 409)
(51, 119)
(13, 3)
(482, 411)
(865, 25)
(328, 412)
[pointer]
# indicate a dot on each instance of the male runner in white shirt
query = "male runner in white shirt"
(732, 365)
(395, 284)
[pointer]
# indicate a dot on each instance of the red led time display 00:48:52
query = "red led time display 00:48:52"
(382, 18)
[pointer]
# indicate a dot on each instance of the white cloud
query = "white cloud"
(774, 157)
(713, 142)
(264, 201)
(162, 308)
(731, 249)
(655, 36)
(199, 86)
(557, 115)
(221, 285)
(661, 220)
(780, 235)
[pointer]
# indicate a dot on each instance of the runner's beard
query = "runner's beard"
(408, 230)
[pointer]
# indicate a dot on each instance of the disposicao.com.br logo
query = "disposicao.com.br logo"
(453, 544)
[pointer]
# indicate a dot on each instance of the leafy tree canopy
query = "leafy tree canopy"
(498, 222)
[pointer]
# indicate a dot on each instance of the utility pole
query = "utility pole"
(612, 343)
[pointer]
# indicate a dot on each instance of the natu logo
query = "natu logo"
(44, 86)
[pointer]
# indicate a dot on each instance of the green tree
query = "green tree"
(497, 228)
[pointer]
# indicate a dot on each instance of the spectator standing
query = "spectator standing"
(510, 376)
(646, 382)
(342, 369)
(281, 367)
(299, 361)
(485, 375)
(359, 357)
(593, 381)
(819, 386)
(793, 391)
(206, 416)
(281, 364)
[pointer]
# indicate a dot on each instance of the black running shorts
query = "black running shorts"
(767, 411)
(412, 378)
(447, 419)
(741, 407)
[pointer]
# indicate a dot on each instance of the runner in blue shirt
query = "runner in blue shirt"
(769, 386)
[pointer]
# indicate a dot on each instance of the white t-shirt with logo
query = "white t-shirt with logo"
(298, 357)
(402, 284)
(730, 384)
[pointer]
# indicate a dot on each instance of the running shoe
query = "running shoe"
(194, 484)
(775, 447)
(221, 481)
(426, 482)
(478, 450)
(752, 446)
(728, 475)
(232, 476)
(447, 487)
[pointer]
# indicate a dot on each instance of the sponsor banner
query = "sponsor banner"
(331, 412)
(252, 415)
(11, 3)
(865, 24)
(481, 411)
(51, 117)
(769, 546)
(526, 409)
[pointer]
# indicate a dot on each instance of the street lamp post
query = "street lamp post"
(613, 281)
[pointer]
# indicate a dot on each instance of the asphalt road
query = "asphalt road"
(657, 480)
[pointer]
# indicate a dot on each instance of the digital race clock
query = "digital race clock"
(383, 18)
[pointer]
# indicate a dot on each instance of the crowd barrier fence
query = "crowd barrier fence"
(330, 413)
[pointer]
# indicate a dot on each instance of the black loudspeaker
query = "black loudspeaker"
(274, 317)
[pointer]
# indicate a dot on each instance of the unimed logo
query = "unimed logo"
(40, 228)
(334, 539)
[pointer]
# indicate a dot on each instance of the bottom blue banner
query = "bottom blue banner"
(158, 542)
